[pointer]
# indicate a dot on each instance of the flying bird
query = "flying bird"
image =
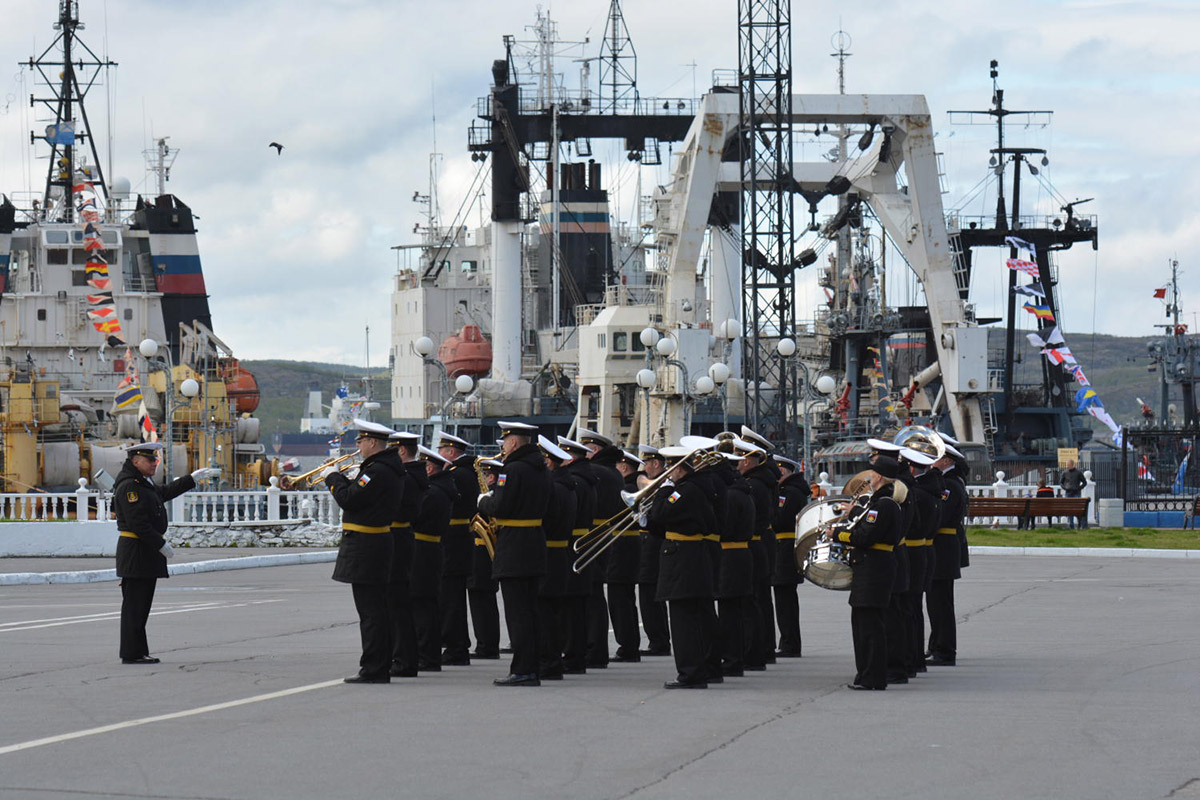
(278, 147)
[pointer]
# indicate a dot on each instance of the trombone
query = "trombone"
(288, 482)
(592, 544)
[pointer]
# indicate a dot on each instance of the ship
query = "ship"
(684, 319)
(107, 335)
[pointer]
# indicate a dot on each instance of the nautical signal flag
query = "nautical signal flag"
(128, 395)
(1030, 290)
(1086, 398)
(1028, 267)
(1039, 310)
(62, 133)
(1161, 294)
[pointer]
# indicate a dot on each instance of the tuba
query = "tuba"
(922, 439)
(482, 526)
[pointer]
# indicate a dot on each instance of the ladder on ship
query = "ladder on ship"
(962, 277)
(987, 406)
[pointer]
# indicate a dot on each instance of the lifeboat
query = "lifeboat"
(240, 385)
(466, 353)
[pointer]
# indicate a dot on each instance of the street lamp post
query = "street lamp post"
(424, 348)
(188, 388)
(786, 348)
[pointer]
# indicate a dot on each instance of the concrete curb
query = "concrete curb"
(190, 568)
(1110, 552)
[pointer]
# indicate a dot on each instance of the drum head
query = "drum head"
(811, 523)
(829, 575)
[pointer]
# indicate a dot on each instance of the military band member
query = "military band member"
(369, 505)
(680, 516)
(517, 502)
(654, 612)
(405, 660)
(622, 572)
(429, 531)
(580, 594)
(873, 540)
(737, 612)
(142, 549)
(943, 635)
(481, 591)
(794, 494)
(458, 547)
(760, 471)
(922, 559)
(603, 457)
(555, 586)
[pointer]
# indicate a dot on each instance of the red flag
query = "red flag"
(1161, 294)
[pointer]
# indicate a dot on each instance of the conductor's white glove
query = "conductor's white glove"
(167, 550)
(204, 473)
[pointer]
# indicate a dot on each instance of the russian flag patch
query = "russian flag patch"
(674, 496)
(364, 480)
(782, 500)
(872, 515)
(501, 479)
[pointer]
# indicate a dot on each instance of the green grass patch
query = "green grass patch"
(1150, 538)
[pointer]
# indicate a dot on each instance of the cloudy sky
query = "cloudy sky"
(297, 248)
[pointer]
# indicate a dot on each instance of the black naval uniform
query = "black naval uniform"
(735, 576)
(931, 484)
(897, 620)
(794, 494)
(609, 484)
(369, 505)
(429, 532)
(714, 480)
(765, 490)
(654, 612)
(621, 573)
(141, 513)
(554, 586)
(578, 597)
(873, 541)
(404, 632)
(481, 596)
(518, 502)
(681, 516)
(943, 635)
(458, 548)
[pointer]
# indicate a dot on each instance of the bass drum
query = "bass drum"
(822, 561)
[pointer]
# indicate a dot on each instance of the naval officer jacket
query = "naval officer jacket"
(458, 545)
(558, 524)
(141, 512)
(794, 493)
(946, 543)
(369, 505)
(582, 479)
(735, 571)
(934, 485)
(517, 503)
(765, 489)
(873, 541)
(429, 531)
(681, 516)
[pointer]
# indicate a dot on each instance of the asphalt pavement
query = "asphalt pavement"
(1076, 678)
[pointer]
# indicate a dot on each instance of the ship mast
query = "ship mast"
(68, 131)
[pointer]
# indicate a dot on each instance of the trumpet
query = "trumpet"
(600, 538)
(288, 482)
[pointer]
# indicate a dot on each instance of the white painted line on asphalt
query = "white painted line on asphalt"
(9, 627)
(186, 568)
(133, 723)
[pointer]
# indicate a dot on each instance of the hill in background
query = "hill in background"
(1115, 365)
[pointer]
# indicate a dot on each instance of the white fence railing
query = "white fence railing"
(1000, 488)
(271, 504)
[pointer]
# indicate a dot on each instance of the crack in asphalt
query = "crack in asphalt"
(786, 712)
(122, 794)
(1031, 587)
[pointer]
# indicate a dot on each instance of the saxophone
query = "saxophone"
(482, 526)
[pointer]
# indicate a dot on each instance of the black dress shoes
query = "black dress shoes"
(518, 680)
(426, 667)
(788, 654)
(716, 679)
(490, 655)
(685, 684)
(399, 672)
(894, 679)
(656, 651)
(367, 679)
(140, 660)
(733, 672)
(506, 650)
(940, 661)
(550, 676)
(456, 662)
(627, 659)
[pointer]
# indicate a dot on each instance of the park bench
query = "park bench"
(1026, 507)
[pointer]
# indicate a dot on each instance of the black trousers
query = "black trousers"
(521, 618)
(427, 625)
(870, 646)
(404, 632)
(485, 619)
(899, 637)
(756, 653)
(943, 633)
(787, 614)
(550, 628)
(733, 640)
(622, 610)
(916, 631)
(689, 632)
(453, 601)
(597, 615)
(574, 624)
(766, 624)
(137, 595)
(372, 601)
(654, 618)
